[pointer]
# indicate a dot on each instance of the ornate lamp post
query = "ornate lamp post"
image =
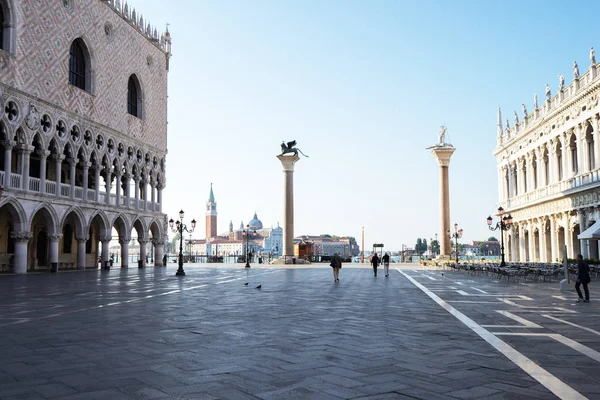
(246, 233)
(504, 223)
(456, 235)
(180, 228)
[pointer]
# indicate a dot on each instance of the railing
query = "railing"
(65, 190)
(78, 192)
(34, 184)
(91, 195)
(50, 187)
(2, 178)
(15, 181)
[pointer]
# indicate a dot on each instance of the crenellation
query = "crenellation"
(137, 21)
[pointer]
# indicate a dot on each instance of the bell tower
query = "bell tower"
(211, 215)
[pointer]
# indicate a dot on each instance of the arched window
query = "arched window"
(78, 65)
(7, 27)
(134, 98)
(2, 26)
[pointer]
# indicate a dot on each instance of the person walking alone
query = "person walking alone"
(336, 264)
(386, 264)
(375, 263)
(583, 278)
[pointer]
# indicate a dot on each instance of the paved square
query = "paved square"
(421, 333)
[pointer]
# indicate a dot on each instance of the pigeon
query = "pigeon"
(259, 287)
(246, 284)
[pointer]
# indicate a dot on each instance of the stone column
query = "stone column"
(159, 251)
(288, 203)
(159, 190)
(72, 165)
(86, 172)
(124, 242)
(542, 242)
(522, 252)
(531, 241)
(97, 169)
(21, 245)
(143, 243)
(582, 159)
(58, 159)
(118, 187)
(514, 246)
(568, 235)
(54, 240)
(145, 192)
(108, 180)
(25, 162)
(104, 255)
(583, 244)
(8, 146)
(553, 239)
(81, 241)
(442, 155)
(127, 177)
(137, 192)
(43, 160)
(152, 193)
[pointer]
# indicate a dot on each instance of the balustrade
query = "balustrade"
(34, 184)
(65, 190)
(78, 192)
(51, 187)
(15, 181)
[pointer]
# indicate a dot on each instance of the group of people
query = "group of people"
(336, 264)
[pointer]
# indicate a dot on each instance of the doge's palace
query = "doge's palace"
(549, 171)
(83, 90)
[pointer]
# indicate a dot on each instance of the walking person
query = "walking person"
(375, 263)
(583, 278)
(386, 264)
(336, 264)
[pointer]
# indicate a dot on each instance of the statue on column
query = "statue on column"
(524, 111)
(516, 118)
(442, 135)
(535, 102)
(289, 148)
(548, 92)
(575, 70)
(592, 56)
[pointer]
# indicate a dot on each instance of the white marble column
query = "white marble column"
(43, 166)
(8, 146)
(97, 169)
(81, 241)
(86, 172)
(54, 240)
(288, 203)
(145, 192)
(72, 165)
(159, 251)
(105, 250)
(21, 246)
(25, 163)
(583, 244)
(582, 154)
(124, 242)
(108, 181)
(554, 239)
(514, 245)
(159, 190)
(143, 252)
(595, 123)
(118, 187)
(58, 160)
(127, 177)
(136, 179)
(568, 235)
(542, 242)
(531, 242)
(152, 194)
(522, 249)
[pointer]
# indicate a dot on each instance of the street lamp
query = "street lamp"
(246, 233)
(180, 228)
(504, 222)
(456, 235)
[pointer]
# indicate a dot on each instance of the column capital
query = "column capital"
(443, 154)
(288, 162)
(44, 153)
(158, 242)
(124, 240)
(9, 144)
(21, 236)
(73, 161)
(82, 238)
(143, 241)
(58, 157)
(86, 165)
(105, 238)
(55, 237)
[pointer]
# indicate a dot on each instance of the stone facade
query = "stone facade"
(77, 161)
(549, 172)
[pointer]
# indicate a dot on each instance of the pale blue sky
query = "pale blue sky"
(363, 87)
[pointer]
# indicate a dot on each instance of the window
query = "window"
(77, 65)
(134, 103)
(2, 28)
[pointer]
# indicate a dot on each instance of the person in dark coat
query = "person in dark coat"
(386, 264)
(336, 264)
(583, 278)
(375, 263)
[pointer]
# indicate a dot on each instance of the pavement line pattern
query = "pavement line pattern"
(552, 383)
(572, 324)
(524, 322)
(586, 351)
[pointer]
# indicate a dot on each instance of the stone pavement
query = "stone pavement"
(422, 333)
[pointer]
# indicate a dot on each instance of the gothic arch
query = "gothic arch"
(8, 26)
(49, 214)
(101, 219)
(16, 212)
(156, 230)
(120, 223)
(75, 215)
(142, 229)
(89, 84)
(135, 96)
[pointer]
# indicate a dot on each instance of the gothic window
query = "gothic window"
(7, 30)
(79, 65)
(134, 98)
(2, 27)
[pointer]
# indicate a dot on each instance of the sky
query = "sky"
(363, 87)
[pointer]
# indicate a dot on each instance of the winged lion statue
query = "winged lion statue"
(289, 147)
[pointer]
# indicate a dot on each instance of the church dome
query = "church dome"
(255, 223)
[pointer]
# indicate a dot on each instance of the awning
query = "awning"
(591, 233)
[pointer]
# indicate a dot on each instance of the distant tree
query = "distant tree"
(483, 248)
(492, 239)
(325, 235)
(424, 245)
(435, 246)
(418, 246)
(352, 239)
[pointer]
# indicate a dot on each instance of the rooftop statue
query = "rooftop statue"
(524, 110)
(575, 70)
(548, 92)
(289, 148)
(535, 103)
(561, 82)
(592, 56)
(516, 118)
